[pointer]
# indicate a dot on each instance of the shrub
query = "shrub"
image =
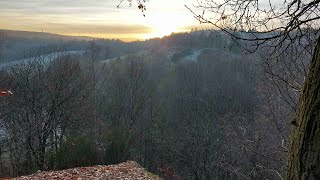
(117, 146)
(77, 151)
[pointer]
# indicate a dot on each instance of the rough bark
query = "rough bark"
(304, 152)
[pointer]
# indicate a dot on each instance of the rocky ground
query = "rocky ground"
(127, 170)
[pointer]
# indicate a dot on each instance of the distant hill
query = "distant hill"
(45, 59)
(40, 35)
(16, 45)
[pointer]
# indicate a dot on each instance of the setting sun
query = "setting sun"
(162, 30)
(163, 24)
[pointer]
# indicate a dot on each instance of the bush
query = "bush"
(117, 147)
(76, 152)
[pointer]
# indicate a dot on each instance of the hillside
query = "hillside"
(40, 35)
(189, 105)
(126, 170)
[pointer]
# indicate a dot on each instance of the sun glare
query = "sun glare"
(161, 31)
(163, 25)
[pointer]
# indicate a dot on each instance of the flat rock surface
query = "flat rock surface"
(127, 170)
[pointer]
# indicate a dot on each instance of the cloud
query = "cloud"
(56, 7)
(98, 29)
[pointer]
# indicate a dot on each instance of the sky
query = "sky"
(97, 18)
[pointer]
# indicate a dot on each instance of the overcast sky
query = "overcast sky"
(99, 18)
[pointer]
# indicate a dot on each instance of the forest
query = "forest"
(186, 106)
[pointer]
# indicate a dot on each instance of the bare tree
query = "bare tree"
(140, 3)
(124, 106)
(49, 97)
(279, 25)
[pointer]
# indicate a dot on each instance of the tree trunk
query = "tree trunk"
(304, 152)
